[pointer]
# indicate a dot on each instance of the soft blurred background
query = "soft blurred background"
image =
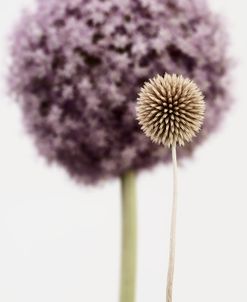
(61, 242)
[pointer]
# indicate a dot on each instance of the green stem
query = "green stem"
(128, 269)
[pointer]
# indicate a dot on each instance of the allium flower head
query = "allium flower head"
(77, 67)
(170, 109)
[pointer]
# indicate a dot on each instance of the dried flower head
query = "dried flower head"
(170, 109)
(77, 67)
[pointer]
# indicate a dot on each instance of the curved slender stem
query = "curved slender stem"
(128, 269)
(170, 274)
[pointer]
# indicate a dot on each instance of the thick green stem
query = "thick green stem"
(128, 269)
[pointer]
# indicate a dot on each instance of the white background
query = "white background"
(60, 242)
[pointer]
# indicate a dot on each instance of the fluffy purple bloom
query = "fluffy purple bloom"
(78, 65)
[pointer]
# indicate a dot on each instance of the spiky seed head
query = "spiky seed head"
(170, 109)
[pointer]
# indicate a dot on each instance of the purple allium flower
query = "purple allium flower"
(78, 65)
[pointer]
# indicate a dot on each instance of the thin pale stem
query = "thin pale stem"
(170, 274)
(128, 269)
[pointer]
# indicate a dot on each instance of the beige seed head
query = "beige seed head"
(170, 109)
